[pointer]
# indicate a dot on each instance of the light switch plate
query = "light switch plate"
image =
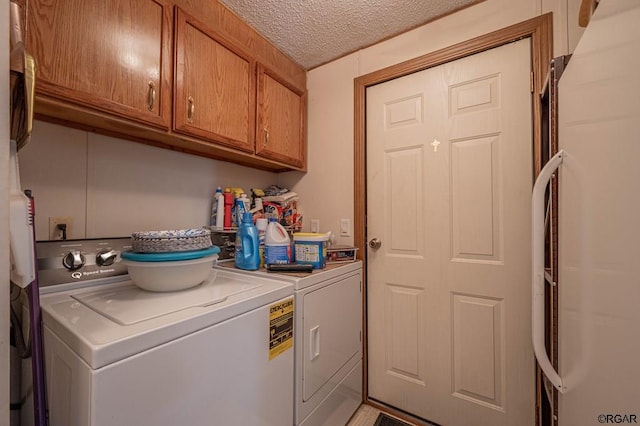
(315, 225)
(345, 227)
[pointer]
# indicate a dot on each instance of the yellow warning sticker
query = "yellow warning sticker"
(280, 327)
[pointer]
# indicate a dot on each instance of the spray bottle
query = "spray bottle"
(242, 205)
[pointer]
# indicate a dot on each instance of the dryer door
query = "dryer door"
(332, 326)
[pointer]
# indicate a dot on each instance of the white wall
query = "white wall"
(112, 187)
(4, 215)
(328, 185)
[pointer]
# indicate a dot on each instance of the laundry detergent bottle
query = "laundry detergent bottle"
(247, 253)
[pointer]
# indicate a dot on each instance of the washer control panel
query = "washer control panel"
(70, 261)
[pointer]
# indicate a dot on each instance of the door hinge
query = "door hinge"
(531, 80)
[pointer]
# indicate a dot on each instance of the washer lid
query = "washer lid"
(99, 341)
(130, 305)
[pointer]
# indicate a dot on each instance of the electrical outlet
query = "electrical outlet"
(315, 225)
(56, 232)
(345, 227)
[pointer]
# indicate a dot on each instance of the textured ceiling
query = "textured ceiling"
(314, 32)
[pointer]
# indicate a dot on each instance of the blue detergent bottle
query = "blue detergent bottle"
(247, 250)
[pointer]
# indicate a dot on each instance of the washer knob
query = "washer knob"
(73, 260)
(106, 257)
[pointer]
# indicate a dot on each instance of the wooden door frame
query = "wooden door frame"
(539, 29)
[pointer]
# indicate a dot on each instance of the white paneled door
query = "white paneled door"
(449, 176)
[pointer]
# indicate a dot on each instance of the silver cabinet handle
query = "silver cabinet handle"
(537, 262)
(151, 100)
(375, 243)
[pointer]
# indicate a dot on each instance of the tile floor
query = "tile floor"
(366, 416)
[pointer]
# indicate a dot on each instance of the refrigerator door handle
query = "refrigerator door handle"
(537, 264)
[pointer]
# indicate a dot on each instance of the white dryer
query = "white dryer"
(327, 340)
(216, 354)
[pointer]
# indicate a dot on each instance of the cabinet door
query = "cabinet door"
(281, 117)
(112, 55)
(215, 86)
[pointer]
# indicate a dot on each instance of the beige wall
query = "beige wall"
(111, 187)
(328, 185)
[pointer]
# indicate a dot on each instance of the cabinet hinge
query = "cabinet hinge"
(361, 336)
(531, 80)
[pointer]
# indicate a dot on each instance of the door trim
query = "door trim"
(539, 29)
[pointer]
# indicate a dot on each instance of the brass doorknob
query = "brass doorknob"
(375, 243)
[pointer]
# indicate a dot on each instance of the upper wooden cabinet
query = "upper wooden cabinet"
(214, 85)
(179, 74)
(281, 117)
(112, 55)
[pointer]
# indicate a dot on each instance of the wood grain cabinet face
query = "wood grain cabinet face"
(281, 117)
(150, 71)
(215, 86)
(111, 55)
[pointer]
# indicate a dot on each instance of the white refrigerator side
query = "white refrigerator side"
(599, 231)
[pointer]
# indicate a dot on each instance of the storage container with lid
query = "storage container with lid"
(311, 248)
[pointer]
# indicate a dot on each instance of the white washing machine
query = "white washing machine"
(217, 354)
(327, 341)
